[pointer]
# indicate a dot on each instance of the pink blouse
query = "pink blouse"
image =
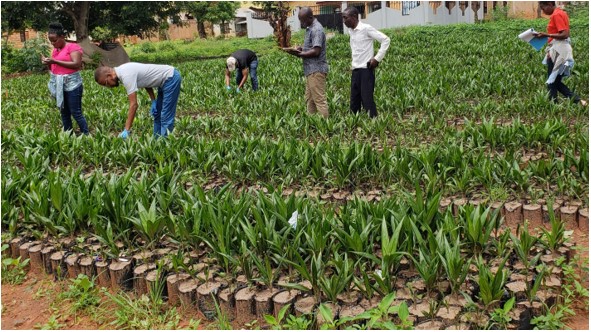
(64, 55)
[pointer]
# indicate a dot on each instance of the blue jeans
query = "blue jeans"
(73, 108)
(168, 96)
(252, 70)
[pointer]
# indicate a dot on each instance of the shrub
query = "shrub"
(167, 46)
(500, 13)
(103, 34)
(27, 58)
(147, 47)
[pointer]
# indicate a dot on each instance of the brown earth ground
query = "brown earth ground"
(31, 304)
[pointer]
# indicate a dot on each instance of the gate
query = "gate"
(331, 21)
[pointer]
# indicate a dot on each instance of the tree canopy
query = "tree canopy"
(215, 12)
(140, 18)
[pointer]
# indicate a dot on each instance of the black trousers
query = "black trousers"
(558, 86)
(362, 86)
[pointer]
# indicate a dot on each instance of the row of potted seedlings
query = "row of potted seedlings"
(194, 280)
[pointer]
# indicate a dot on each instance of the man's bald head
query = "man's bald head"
(306, 17)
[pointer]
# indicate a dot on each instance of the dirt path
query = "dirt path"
(31, 305)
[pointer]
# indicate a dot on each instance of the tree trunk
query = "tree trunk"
(23, 35)
(201, 29)
(278, 21)
(79, 12)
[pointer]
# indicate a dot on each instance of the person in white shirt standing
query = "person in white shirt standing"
(363, 62)
(135, 76)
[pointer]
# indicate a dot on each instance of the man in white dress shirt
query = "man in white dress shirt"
(363, 63)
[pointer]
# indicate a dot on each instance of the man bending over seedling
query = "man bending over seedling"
(244, 62)
(135, 76)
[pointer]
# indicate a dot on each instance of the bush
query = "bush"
(147, 47)
(27, 58)
(500, 13)
(96, 58)
(9, 53)
(167, 46)
(103, 34)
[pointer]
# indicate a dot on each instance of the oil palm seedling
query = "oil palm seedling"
(267, 270)
(523, 245)
(502, 244)
(337, 278)
(478, 227)
(554, 237)
(491, 285)
(109, 238)
(149, 224)
(455, 265)
(389, 262)
(311, 271)
(428, 263)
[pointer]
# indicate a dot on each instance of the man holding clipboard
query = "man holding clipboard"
(313, 54)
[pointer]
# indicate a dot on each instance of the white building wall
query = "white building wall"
(261, 28)
(257, 28)
(294, 22)
(385, 18)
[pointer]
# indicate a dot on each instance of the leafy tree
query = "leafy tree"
(214, 12)
(21, 15)
(221, 12)
(198, 9)
(141, 18)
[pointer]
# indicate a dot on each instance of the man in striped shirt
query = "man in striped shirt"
(363, 63)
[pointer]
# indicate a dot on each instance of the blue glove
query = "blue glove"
(154, 110)
(228, 88)
(124, 134)
(237, 90)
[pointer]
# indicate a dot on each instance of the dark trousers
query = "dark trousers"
(72, 108)
(362, 86)
(558, 86)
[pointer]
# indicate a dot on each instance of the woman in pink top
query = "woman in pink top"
(65, 82)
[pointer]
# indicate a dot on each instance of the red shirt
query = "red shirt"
(64, 55)
(558, 22)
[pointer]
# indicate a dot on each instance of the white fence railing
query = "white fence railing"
(402, 13)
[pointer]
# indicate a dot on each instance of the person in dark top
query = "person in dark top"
(243, 61)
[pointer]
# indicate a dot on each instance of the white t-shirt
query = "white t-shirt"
(135, 76)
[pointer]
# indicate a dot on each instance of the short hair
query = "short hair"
(306, 11)
(101, 72)
(56, 28)
(351, 11)
(545, 3)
